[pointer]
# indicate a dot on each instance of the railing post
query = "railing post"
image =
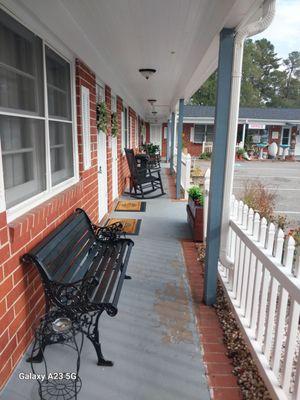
(206, 201)
(179, 147)
(172, 143)
(168, 140)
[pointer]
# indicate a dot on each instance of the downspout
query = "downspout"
(249, 30)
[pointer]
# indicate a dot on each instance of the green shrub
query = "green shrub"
(196, 193)
(206, 155)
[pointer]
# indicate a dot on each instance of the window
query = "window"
(199, 134)
(204, 133)
(28, 168)
(210, 133)
(285, 139)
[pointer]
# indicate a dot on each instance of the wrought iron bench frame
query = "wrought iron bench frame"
(103, 252)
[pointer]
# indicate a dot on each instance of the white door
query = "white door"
(114, 155)
(102, 175)
(297, 147)
(155, 134)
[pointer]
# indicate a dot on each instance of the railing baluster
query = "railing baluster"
(247, 262)
(265, 288)
(270, 331)
(290, 345)
(258, 277)
(241, 262)
(283, 302)
(250, 287)
(296, 394)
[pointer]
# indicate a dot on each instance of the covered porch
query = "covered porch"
(154, 341)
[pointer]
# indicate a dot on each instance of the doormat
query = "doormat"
(131, 226)
(130, 205)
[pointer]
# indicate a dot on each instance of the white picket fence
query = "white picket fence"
(263, 287)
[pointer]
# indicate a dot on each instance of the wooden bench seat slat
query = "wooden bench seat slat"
(107, 267)
(115, 274)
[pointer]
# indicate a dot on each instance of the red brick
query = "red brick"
(227, 394)
(221, 381)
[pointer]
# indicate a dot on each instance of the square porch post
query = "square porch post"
(172, 142)
(168, 140)
(179, 147)
(217, 176)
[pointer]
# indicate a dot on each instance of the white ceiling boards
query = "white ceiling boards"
(178, 38)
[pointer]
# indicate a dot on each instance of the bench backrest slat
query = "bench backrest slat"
(62, 254)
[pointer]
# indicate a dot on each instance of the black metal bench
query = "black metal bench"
(83, 267)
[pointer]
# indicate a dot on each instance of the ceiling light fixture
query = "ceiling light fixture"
(152, 101)
(154, 112)
(147, 72)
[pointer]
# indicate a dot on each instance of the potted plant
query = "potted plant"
(240, 153)
(194, 210)
(196, 194)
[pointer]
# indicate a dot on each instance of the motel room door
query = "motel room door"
(114, 156)
(155, 134)
(102, 165)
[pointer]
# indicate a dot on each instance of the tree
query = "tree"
(206, 95)
(266, 80)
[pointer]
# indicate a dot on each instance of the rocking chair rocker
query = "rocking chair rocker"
(143, 181)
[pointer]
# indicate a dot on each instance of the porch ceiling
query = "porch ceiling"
(118, 37)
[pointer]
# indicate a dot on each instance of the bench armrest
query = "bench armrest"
(110, 232)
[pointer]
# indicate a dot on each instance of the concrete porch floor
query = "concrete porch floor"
(153, 340)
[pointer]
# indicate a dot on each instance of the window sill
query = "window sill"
(24, 207)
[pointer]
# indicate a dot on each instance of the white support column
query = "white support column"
(243, 135)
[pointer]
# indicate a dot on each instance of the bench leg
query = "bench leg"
(94, 338)
(127, 277)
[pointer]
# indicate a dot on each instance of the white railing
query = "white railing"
(186, 163)
(263, 287)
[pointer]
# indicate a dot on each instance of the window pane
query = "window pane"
(21, 68)
(199, 133)
(61, 145)
(23, 155)
(58, 85)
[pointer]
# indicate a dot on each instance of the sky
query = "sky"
(284, 32)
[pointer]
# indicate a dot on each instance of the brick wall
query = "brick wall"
(21, 293)
(194, 149)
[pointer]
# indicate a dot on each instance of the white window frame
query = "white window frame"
(25, 206)
(282, 130)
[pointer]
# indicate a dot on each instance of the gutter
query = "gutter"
(241, 34)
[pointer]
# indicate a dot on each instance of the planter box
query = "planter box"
(195, 220)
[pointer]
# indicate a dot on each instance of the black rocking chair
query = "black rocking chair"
(143, 180)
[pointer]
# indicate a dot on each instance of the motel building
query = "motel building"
(80, 82)
(261, 125)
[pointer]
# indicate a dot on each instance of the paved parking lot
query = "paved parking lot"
(282, 177)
